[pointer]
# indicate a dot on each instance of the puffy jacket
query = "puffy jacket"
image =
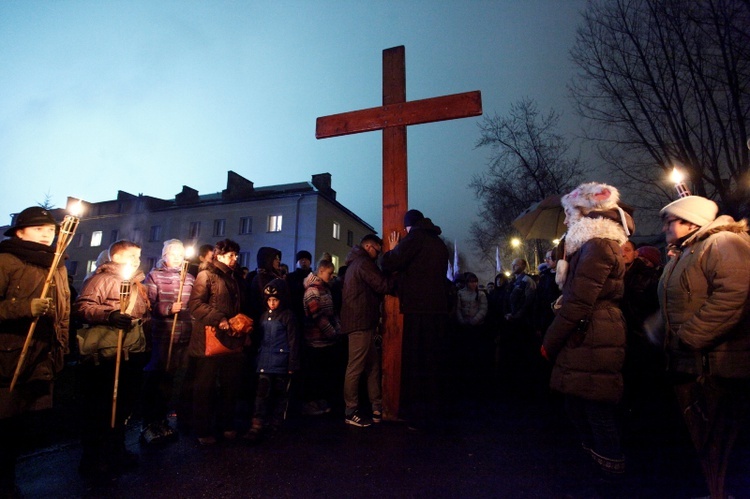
(100, 295)
(162, 285)
(20, 282)
(215, 297)
(364, 287)
(586, 339)
(279, 348)
(703, 293)
(471, 307)
(421, 261)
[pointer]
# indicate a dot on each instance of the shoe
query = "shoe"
(377, 417)
(355, 419)
(206, 440)
(324, 406)
(313, 409)
(152, 434)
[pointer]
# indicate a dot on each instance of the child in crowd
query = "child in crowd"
(278, 358)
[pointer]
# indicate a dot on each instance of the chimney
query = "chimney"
(322, 182)
(238, 187)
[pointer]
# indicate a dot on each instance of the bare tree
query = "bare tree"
(530, 160)
(47, 204)
(665, 83)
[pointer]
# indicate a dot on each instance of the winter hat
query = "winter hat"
(694, 209)
(412, 217)
(272, 289)
(31, 217)
(302, 254)
(651, 254)
(591, 196)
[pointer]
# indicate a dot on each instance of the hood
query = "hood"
(426, 224)
(587, 228)
(721, 224)
(313, 280)
(356, 252)
(266, 256)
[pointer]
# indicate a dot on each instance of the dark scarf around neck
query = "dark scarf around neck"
(30, 252)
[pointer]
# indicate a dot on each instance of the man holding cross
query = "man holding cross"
(420, 262)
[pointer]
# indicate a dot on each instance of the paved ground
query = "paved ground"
(501, 447)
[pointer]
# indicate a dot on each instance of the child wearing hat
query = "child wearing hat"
(278, 358)
(25, 261)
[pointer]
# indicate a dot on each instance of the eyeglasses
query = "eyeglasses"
(667, 222)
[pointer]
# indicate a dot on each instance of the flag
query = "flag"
(498, 263)
(455, 258)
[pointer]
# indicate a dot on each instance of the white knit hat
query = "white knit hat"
(693, 209)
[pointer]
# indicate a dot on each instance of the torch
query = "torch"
(183, 273)
(65, 236)
(127, 273)
(679, 184)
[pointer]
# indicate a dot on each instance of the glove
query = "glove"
(120, 321)
(240, 325)
(40, 306)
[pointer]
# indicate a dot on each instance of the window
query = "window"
(195, 230)
(335, 262)
(137, 237)
(96, 238)
(72, 267)
(114, 236)
(246, 226)
(78, 240)
(349, 238)
(151, 262)
(274, 223)
(245, 259)
(90, 266)
(155, 233)
(220, 227)
(336, 230)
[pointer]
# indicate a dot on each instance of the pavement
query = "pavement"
(496, 446)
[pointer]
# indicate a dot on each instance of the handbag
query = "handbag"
(219, 342)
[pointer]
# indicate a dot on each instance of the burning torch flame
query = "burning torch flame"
(76, 209)
(678, 178)
(189, 252)
(127, 271)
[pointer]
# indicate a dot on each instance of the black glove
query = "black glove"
(120, 321)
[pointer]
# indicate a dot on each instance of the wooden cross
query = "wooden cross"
(392, 118)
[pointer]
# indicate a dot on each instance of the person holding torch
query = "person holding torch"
(109, 316)
(26, 260)
(169, 286)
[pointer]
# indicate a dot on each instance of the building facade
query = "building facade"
(289, 217)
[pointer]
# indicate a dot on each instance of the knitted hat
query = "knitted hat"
(31, 217)
(693, 209)
(412, 217)
(591, 196)
(272, 289)
(650, 253)
(302, 254)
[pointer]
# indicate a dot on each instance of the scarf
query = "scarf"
(30, 252)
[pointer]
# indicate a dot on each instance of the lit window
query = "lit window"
(90, 266)
(336, 230)
(96, 238)
(220, 227)
(246, 225)
(274, 223)
(335, 261)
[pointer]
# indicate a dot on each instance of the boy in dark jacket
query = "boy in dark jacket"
(278, 358)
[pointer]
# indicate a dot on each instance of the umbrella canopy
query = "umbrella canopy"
(542, 220)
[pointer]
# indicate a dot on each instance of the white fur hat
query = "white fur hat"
(591, 196)
(693, 209)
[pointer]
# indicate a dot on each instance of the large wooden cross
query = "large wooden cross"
(392, 118)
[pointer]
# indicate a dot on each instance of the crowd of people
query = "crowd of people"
(617, 330)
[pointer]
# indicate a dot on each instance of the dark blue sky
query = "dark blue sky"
(146, 96)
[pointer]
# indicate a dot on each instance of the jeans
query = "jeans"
(597, 426)
(363, 358)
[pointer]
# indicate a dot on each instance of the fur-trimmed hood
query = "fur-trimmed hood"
(721, 224)
(587, 228)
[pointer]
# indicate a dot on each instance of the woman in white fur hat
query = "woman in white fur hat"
(586, 340)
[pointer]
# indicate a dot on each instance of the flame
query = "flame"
(189, 252)
(76, 209)
(676, 176)
(127, 271)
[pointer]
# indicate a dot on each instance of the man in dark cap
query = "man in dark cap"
(420, 261)
(296, 283)
(25, 261)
